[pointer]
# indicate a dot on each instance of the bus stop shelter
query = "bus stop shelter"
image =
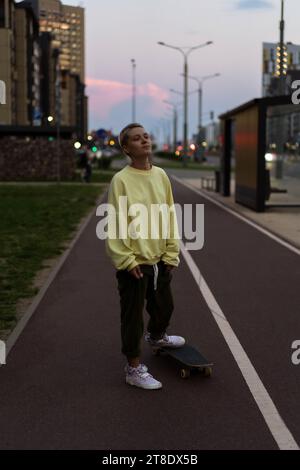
(243, 134)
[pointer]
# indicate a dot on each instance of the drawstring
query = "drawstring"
(155, 276)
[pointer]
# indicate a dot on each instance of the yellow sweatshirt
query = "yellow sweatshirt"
(145, 187)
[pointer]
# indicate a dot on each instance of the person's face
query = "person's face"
(138, 144)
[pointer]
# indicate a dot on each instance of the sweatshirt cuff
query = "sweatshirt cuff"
(172, 261)
(132, 265)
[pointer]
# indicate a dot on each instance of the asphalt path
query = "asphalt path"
(63, 385)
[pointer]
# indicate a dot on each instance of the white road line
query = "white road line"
(275, 423)
(239, 216)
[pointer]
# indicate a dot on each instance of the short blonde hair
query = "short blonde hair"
(123, 136)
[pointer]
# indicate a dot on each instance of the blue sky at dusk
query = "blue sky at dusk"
(119, 30)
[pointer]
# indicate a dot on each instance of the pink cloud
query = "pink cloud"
(105, 94)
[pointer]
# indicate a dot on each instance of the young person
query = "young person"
(144, 266)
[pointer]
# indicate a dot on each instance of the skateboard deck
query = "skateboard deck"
(189, 358)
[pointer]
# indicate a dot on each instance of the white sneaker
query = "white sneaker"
(140, 377)
(166, 341)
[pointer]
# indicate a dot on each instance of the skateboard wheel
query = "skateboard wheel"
(185, 373)
(207, 371)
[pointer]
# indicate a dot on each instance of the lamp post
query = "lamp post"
(282, 53)
(200, 81)
(133, 90)
(157, 136)
(175, 120)
(180, 93)
(185, 87)
(168, 122)
(281, 71)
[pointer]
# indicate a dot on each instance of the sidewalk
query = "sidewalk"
(282, 221)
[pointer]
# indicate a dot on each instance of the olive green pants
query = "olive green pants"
(159, 305)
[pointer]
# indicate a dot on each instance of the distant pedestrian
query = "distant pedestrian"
(85, 165)
(144, 266)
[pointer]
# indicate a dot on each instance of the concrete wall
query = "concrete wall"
(22, 160)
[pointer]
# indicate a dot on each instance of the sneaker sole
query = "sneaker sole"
(167, 346)
(148, 387)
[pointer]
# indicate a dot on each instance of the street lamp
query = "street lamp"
(180, 93)
(281, 71)
(166, 124)
(281, 51)
(185, 73)
(133, 89)
(175, 120)
(200, 93)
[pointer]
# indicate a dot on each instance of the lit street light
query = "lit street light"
(77, 145)
(281, 72)
(185, 73)
(281, 51)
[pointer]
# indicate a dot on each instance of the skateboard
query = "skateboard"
(189, 358)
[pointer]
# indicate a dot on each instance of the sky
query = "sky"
(119, 30)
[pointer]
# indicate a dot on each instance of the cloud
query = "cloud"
(253, 4)
(104, 95)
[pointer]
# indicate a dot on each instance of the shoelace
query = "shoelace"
(164, 338)
(142, 371)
